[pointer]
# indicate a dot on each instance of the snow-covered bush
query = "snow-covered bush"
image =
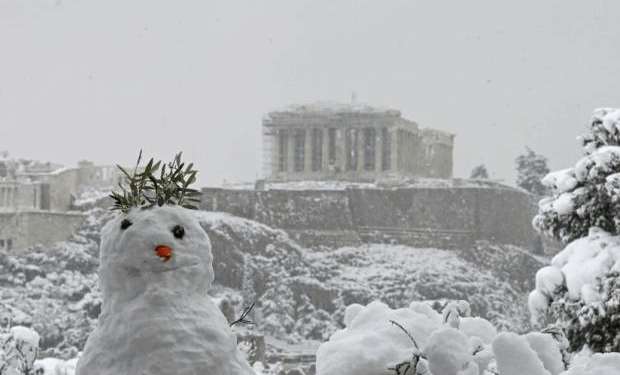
(580, 288)
(19, 347)
(413, 340)
(418, 340)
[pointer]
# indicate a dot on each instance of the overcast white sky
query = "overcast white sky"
(100, 79)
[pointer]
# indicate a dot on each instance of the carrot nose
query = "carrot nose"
(164, 252)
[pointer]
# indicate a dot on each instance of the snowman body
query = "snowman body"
(156, 317)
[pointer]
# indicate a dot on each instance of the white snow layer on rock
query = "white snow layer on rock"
(156, 317)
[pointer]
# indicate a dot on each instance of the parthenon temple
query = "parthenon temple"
(353, 142)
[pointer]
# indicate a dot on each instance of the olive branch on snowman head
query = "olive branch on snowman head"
(145, 190)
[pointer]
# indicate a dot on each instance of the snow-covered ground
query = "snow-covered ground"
(396, 274)
(382, 183)
(399, 274)
(377, 340)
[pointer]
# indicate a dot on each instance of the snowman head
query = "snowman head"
(160, 248)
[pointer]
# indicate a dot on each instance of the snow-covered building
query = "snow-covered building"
(37, 199)
(343, 174)
(352, 142)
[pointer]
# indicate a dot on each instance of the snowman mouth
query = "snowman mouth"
(167, 269)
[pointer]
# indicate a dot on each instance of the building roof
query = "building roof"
(320, 111)
(330, 108)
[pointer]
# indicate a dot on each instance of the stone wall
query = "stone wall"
(312, 209)
(290, 209)
(441, 166)
(25, 196)
(312, 217)
(453, 217)
(9, 231)
(62, 186)
(25, 229)
(505, 216)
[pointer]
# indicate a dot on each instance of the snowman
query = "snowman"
(155, 271)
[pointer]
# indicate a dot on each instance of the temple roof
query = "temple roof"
(330, 108)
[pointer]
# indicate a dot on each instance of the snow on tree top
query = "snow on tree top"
(611, 118)
(562, 180)
(580, 267)
(26, 335)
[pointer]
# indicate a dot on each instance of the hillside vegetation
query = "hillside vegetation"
(300, 293)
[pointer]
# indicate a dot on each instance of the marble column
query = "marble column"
(378, 148)
(271, 153)
(360, 149)
(325, 150)
(308, 151)
(394, 149)
(290, 162)
(341, 156)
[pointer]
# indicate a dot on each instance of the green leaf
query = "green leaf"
(147, 169)
(124, 171)
(144, 189)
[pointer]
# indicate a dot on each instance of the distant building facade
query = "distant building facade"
(353, 142)
(36, 199)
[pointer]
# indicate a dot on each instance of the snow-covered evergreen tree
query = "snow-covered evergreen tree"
(531, 168)
(479, 172)
(312, 323)
(588, 194)
(277, 308)
(580, 288)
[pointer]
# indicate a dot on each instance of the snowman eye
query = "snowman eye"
(125, 224)
(178, 231)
